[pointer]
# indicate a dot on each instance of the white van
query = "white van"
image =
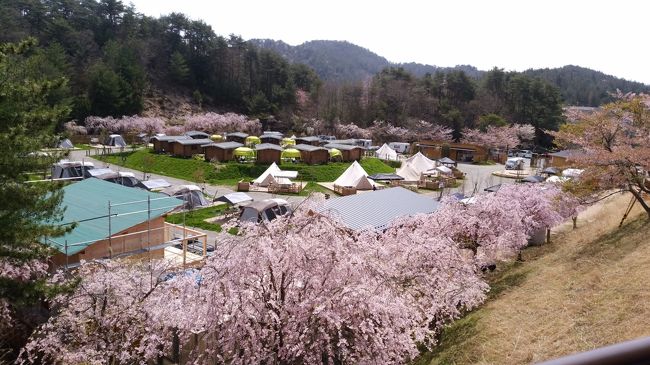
(515, 163)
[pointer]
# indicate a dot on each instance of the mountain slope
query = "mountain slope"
(344, 61)
(332, 60)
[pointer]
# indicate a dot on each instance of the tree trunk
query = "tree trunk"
(575, 222)
(639, 198)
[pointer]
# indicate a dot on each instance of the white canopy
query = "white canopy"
(155, 184)
(235, 198)
(98, 172)
(355, 176)
(572, 172)
(386, 153)
(440, 170)
(408, 173)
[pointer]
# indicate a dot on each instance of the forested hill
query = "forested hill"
(344, 61)
(118, 60)
(584, 86)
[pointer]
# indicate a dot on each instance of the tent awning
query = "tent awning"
(234, 198)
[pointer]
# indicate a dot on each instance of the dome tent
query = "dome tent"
(66, 144)
(191, 194)
(335, 153)
(291, 153)
(244, 152)
(253, 140)
(115, 140)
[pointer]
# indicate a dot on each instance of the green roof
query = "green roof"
(86, 202)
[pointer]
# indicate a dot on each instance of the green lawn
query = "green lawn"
(196, 218)
(231, 172)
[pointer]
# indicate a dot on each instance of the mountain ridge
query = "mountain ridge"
(343, 61)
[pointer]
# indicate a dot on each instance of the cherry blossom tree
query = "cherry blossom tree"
(126, 124)
(113, 316)
(500, 137)
(351, 131)
(614, 149)
(221, 123)
(428, 131)
(21, 272)
(300, 289)
(74, 129)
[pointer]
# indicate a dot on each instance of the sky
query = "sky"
(608, 36)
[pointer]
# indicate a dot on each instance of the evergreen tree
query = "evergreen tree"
(30, 109)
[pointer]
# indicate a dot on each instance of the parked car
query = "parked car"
(524, 153)
(264, 210)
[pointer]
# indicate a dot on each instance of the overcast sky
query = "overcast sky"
(609, 36)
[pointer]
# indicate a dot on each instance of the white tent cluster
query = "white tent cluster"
(386, 153)
(273, 175)
(414, 166)
(355, 176)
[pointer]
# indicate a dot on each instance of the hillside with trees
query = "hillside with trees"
(116, 57)
(345, 62)
(452, 99)
(583, 86)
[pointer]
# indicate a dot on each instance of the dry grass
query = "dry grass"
(587, 289)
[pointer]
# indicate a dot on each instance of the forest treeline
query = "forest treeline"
(115, 58)
(343, 61)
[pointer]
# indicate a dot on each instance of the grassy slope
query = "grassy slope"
(587, 289)
(196, 218)
(230, 173)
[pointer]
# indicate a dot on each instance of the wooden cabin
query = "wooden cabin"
(220, 152)
(460, 152)
(311, 140)
(271, 139)
(161, 143)
(187, 147)
(238, 137)
(562, 159)
(268, 153)
(312, 155)
(349, 152)
(197, 135)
